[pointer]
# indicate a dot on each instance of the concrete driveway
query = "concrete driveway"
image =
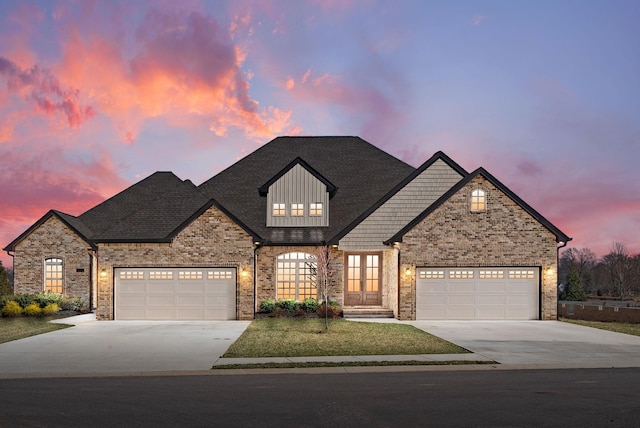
(542, 344)
(95, 347)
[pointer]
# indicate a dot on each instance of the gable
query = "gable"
(405, 203)
(298, 198)
(498, 192)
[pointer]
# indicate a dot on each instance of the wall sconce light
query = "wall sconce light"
(103, 273)
(548, 271)
(244, 273)
(407, 272)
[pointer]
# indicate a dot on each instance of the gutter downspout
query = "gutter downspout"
(13, 280)
(255, 276)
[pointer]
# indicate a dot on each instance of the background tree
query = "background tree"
(583, 261)
(619, 268)
(573, 288)
(5, 286)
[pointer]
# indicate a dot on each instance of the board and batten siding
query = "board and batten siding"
(297, 186)
(401, 208)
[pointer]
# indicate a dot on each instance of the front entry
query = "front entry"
(363, 284)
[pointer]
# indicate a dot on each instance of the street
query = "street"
(459, 398)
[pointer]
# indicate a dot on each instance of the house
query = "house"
(433, 242)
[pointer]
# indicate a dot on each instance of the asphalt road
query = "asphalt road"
(485, 398)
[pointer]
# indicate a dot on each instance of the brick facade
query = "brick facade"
(53, 239)
(504, 235)
(213, 239)
(266, 271)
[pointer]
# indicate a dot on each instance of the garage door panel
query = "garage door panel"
(160, 287)
(180, 294)
(477, 293)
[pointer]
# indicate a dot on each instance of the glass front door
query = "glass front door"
(363, 279)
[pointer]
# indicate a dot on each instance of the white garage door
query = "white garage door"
(175, 294)
(477, 293)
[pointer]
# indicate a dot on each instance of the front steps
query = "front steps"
(366, 312)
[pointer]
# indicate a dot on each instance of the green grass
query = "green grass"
(287, 337)
(21, 327)
(619, 327)
(299, 365)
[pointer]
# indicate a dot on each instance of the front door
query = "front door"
(363, 279)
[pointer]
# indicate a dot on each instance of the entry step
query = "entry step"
(366, 312)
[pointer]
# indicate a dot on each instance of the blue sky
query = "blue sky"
(545, 95)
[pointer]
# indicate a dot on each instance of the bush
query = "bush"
(44, 299)
(24, 300)
(70, 304)
(309, 305)
(268, 306)
(50, 309)
(287, 305)
(12, 309)
(33, 310)
(332, 312)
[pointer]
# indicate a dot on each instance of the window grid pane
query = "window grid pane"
(354, 273)
(432, 274)
(279, 210)
(491, 274)
(521, 274)
(53, 275)
(461, 274)
(315, 209)
(295, 276)
(161, 274)
(478, 200)
(297, 210)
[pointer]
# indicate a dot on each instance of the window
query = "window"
(161, 274)
(431, 274)
(478, 200)
(297, 210)
(129, 274)
(53, 275)
(521, 274)
(189, 274)
(461, 274)
(296, 276)
(220, 274)
(491, 274)
(279, 210)
(315, 209)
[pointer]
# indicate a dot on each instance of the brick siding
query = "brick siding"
(213, 239)
(504, 235)
(53, 239)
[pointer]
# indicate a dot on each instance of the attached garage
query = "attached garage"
(478, 293)
(175, 294)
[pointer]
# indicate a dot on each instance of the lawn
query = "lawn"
(287, 337)
(619, 327)
(20, 327)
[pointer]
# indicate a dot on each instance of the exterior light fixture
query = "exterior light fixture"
(244, 273)
(548, 271)
(407, 272)
(103, 273)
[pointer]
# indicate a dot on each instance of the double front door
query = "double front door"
(363, 279)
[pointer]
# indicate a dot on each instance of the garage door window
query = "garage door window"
(491, 274)
(296, 275)
(521, 274)
(461, 274)
(161, 274)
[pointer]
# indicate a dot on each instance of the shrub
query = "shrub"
(333, 311)
(268, 306)
(33, 310)
(12, 309)
(50, 309)
(287, 305)
(309, 305)
(44, 299)
(24, 300)
(70, 304)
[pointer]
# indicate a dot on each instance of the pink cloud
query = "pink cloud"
(37, 85)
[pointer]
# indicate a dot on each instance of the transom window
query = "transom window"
(279, 210)
(53, 275)
(296, 276)
(297, 210)
(315, 209)
(478, 200)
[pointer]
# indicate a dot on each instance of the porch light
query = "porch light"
(548, 271)
(407, 272)
(103, 273)
(244, 273)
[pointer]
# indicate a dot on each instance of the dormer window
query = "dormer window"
(315, 209)
(297, 210)
(297, 196)
(478, 200)
(279, 210)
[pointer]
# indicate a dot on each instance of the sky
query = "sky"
(545, 95)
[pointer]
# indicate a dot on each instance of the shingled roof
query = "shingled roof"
(361, 172)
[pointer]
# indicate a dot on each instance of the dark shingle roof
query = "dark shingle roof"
(361, 172)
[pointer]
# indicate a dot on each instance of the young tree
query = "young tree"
(583, 261)
(321, 275)
(574, 290)
(5, 286)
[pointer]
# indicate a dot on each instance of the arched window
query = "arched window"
(296, 276)
(53, 275)
(478, 200)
